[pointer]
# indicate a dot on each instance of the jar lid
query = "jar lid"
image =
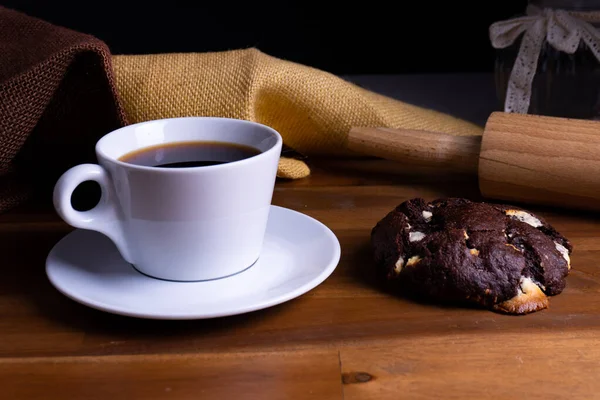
(568, 5)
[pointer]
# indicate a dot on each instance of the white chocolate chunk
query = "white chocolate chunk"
(413, 260)
(527, 285)
(474, 252)
(466, 236)
(399, 264)
(415, 236)
(565, 253)
(525, 217)
(427, 215)
(529, 298)
(539, 284)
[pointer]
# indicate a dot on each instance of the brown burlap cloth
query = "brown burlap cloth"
(61, 90)
(57, 97)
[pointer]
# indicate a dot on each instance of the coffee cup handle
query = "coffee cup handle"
(104, 217)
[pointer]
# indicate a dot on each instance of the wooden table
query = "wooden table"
(346, 339)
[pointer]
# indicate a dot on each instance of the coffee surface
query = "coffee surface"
(189, 154)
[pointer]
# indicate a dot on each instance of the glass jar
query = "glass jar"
(564, 85)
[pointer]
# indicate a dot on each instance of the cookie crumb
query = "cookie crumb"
(413, 260)
(514, 247)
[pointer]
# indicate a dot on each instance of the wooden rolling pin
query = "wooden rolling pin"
(520, 157)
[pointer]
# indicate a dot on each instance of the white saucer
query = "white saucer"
(299, 253)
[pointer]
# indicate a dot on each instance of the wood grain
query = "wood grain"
(226, 376)
(503, 366)
(530, 159)
(53, 347)
(457, 154)
(541, 160)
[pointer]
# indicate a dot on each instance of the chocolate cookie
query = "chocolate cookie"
(501, 257)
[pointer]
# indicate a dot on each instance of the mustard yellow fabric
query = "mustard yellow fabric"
(312, 109)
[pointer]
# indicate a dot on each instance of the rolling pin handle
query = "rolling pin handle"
(416, 148)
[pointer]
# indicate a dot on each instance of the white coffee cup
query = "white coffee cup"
(181, 224)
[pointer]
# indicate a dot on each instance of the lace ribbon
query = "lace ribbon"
(562, 29)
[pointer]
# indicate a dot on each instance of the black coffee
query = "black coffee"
(189, 154)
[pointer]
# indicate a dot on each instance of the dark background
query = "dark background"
(367, 37)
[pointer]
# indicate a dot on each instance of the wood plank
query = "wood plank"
(548, 365)
(361, 171)
(249, 376)
(341, 312)
(347, 308)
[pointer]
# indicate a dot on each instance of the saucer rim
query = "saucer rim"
(328, 268)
